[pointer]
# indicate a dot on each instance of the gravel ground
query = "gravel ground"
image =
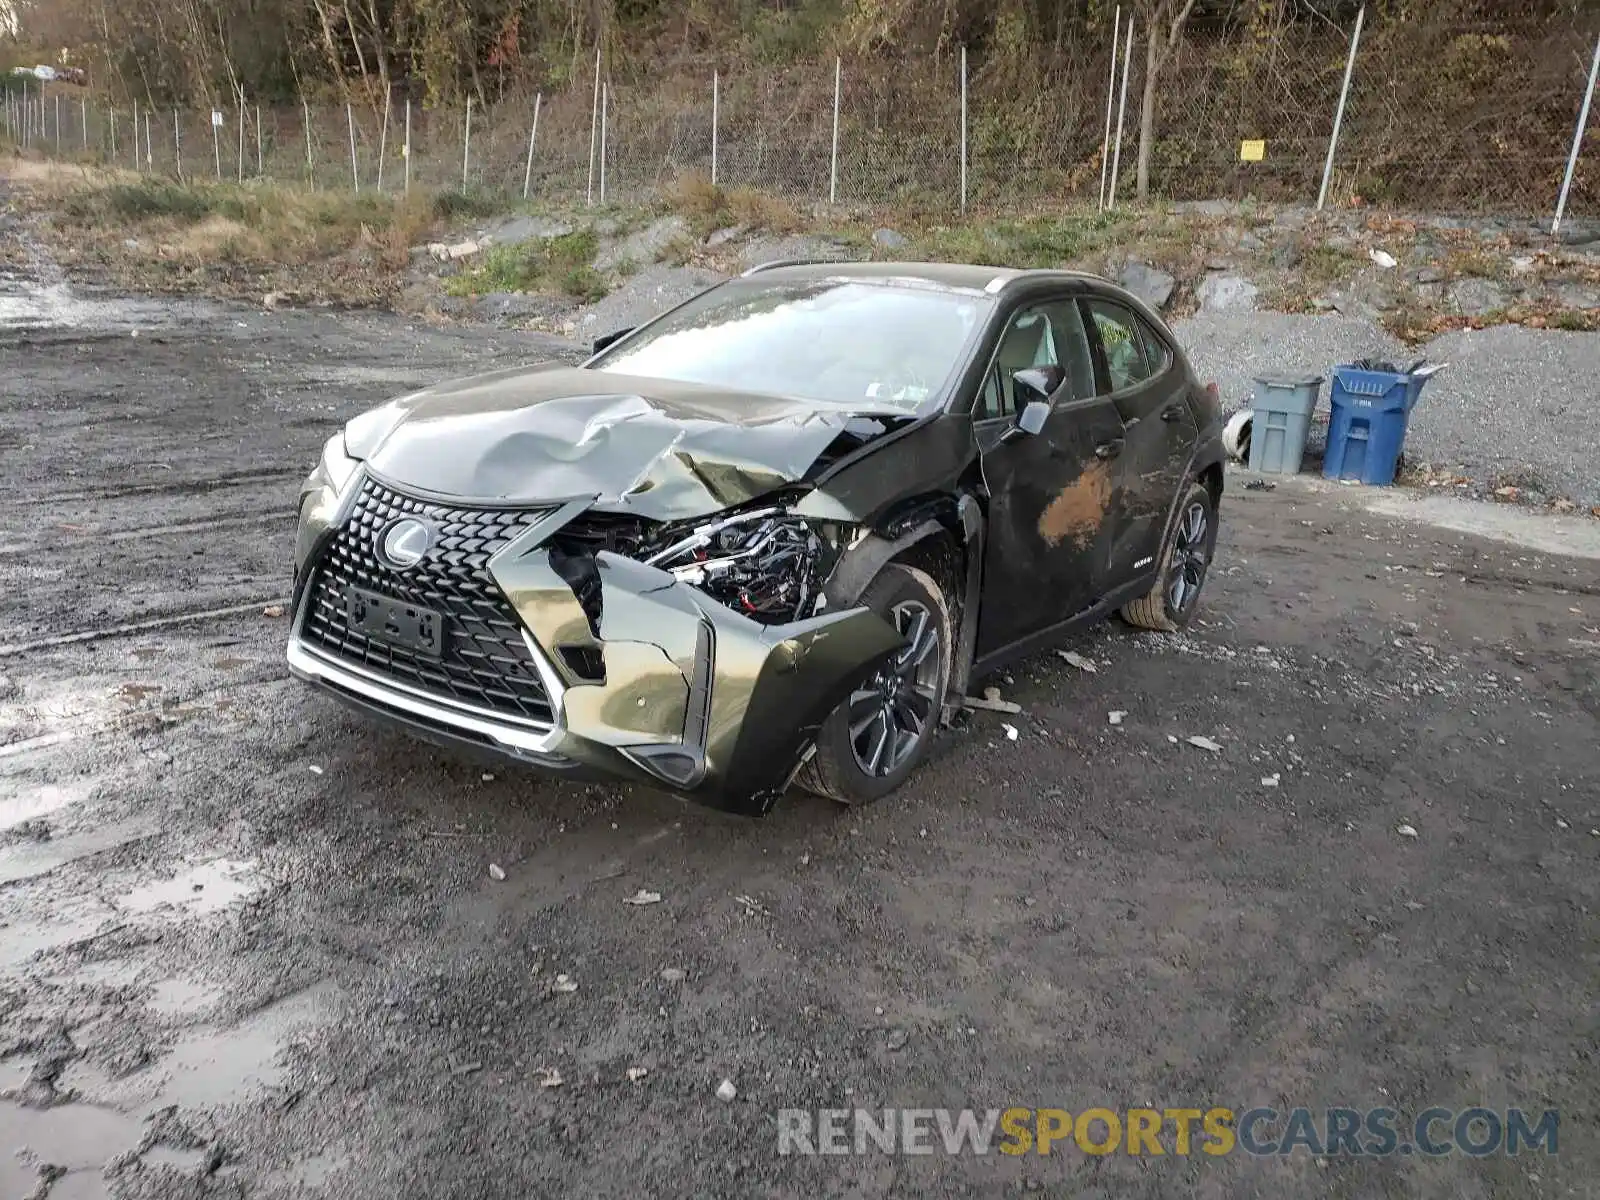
(251, 946)
(1515, 405)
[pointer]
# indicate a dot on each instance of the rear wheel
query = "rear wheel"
(875, 739)
(1171, 603)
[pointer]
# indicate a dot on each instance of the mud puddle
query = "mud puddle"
(204, 888)
(28, 305)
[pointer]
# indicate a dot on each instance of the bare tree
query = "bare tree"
(1163, 23)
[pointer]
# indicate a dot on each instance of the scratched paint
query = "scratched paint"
(1078, 510)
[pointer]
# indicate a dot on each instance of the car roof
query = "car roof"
(962, 276)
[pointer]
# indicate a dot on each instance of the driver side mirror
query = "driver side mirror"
(611, 339)
(1032, 389)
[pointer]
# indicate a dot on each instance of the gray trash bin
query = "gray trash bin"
(1283, 405)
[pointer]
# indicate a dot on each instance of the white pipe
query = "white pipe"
(355, 171)
(1111, 103)
(383, 138)
(406, 150)
(241, 135)
(177, 145)
(716, 98)
(833, 161)
(533, 134)
(605, 103)
(216, 141)
(1577, 142)
(594, 126)
(311, 166)
(466, 148)
(1338, 115)
(963, 128)
(1122, 112)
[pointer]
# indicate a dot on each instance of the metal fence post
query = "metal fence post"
(533, 135)
(241, 135)
(113, 135)
(1111, 102)
(1577, 142)
(1338, 115)
(466, 147)
(963, 128)
(83, 120)
(1122, 112)
(605, 103)
(135, 137)
(261, 168)
(149, 143)
(355, 171)
(177, 146)
(58, 122)
(833, 157)
(311, 167)
(383, 139)
(716, 115)
(405, 152)
(594, 126)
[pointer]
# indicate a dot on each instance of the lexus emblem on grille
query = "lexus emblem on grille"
(405, 543)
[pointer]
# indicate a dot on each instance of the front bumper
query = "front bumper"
(668, 687)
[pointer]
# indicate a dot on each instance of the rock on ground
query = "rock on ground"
(647, 294)
(1151, 284)
(642, 246)
(1223, 292)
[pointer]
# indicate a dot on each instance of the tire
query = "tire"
(1167, 608)
(845, 767)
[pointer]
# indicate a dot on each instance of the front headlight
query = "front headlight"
(336, 467)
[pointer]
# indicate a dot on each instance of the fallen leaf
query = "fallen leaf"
(272, 610)
(1078, 660)
(548, 1077)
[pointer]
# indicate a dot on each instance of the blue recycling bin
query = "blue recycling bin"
(1367, 428)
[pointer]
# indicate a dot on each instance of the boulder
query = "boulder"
(1222, 292)
(1477, 297)
(1151, 284)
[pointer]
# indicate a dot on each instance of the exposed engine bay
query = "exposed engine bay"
(764, 563)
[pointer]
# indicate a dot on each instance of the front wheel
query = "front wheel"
(875, 739)
(1171, 603)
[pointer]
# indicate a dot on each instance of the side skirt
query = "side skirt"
(1045, 638)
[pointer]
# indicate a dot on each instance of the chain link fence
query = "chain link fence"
(1447, 113)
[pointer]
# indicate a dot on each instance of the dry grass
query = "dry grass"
(708, 207)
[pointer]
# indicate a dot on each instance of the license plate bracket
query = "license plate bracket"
(396, 623)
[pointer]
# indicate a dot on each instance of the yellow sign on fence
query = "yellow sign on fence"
(1252, 151)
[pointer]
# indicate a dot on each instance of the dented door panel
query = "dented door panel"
(1055, 503)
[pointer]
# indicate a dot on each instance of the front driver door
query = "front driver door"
(1054, 495)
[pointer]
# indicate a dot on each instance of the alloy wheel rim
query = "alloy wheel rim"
(1189, 559)
(889, 714)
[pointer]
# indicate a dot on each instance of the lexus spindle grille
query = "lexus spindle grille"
(481, 660)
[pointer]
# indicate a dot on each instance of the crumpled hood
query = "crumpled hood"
(653, 448)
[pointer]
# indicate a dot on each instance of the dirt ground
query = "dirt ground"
(252, 946)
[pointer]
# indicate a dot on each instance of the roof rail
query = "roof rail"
(785, 262)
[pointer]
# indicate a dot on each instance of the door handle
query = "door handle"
(1108, 449)
(1172, 412)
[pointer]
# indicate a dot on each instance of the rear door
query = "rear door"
(1052, 496)
(1141, 377)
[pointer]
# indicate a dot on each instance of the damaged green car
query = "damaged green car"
(768, 538)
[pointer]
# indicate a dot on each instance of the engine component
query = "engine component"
(762, 563)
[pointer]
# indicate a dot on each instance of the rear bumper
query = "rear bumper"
(691, 697)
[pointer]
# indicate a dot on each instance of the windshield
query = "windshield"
(840, 341)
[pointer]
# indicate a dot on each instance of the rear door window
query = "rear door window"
(1121, 343)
